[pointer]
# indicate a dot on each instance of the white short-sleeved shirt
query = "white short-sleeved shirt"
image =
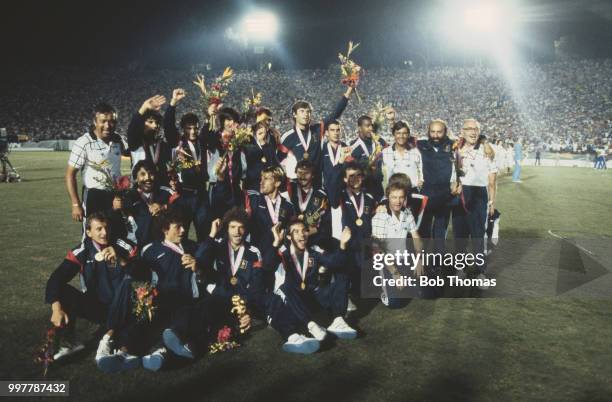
(409, 163)
(476, 167)
(388, 226)
(88, 150)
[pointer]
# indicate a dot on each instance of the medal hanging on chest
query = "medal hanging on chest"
(305, 144)
(234, 262)
(273, 209)
(358, 208)
(301, 269)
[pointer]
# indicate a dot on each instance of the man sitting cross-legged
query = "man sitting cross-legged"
(236, 267)
(307, 280)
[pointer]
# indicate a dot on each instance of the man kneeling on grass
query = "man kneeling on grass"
(101, 267)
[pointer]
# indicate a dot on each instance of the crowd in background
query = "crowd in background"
(559, 107)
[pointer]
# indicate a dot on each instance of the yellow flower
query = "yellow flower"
(227, 73)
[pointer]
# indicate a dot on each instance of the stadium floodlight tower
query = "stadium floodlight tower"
(257, 32)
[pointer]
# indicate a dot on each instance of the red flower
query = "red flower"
(214, 100)
(224, 334)
(215, 87)
(141, 293)
(154, 292)
(122, 183)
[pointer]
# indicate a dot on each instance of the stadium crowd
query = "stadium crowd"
(561, 106)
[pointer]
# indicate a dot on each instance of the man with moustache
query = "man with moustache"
(144, 139)
(439, 180)
(312, 205)
(237, 270)
(147, 201)
(102, 147)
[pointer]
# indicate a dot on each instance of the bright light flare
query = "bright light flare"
(260, 26)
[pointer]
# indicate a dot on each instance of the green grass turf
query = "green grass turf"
(447, 349)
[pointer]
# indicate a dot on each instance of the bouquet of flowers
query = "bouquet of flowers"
(350, 70)
(226, 335)
(224, 341)
(143, 300)
(119, 185)
(238, 137)
(252, 102)
(378, 114)
(45, 353)
(184, 161)
(215, 94)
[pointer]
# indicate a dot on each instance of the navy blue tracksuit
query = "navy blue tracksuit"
(318, 205)
(373, 179)
(329, 293)
(249, 283)
(291, 142)
(99, 282)
(161, 157)
(137, 205)
(437, 172)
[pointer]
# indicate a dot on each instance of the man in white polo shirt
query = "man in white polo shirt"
(392, 228)
(98, 149)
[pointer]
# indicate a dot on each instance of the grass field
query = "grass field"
(547, 349)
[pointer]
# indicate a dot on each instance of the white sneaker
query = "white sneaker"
(351, 306)
(317, 331)
(155, 360)
(105, 347)
(172, 341)
(341, 329)
(66, 349)
(114, 361)
(482, 287)
(300, 344)
(384, 299)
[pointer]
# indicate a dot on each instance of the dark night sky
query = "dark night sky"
(78, 33)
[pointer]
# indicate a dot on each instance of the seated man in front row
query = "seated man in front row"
(235, 267)
(101, 267)
(305, 278)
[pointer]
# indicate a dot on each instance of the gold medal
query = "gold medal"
(306, 155)
(263, 159)
(303, 285)
(359, 222)
(99, 257)
(234, 281)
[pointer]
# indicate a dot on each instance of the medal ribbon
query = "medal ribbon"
(335, 158)
(235, 264)
(305, 144)
(304, 267)
(303, 203)
(273, 209)
(359, 209)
